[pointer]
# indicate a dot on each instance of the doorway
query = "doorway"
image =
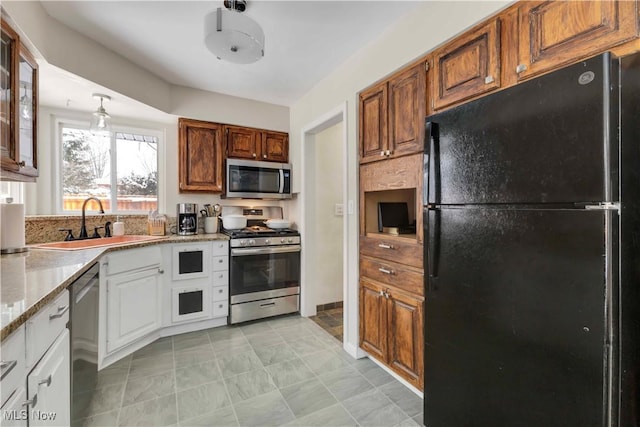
(325, 224)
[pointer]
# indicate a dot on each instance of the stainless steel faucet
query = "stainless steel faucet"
(83, 227)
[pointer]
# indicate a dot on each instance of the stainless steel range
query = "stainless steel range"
(264, 266)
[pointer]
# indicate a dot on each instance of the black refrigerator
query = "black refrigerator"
(532, 253)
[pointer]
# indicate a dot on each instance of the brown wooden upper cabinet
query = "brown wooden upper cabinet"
(201, 156)
(392, 116)
(18, 109)
(256, 144)
(555, 33)
(468, 66)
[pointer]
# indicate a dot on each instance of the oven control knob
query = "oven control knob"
(290, 240)
(281, 240)
(243, 243)
(252, 242)
(267, 241)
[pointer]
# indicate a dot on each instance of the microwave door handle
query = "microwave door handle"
(281, 187)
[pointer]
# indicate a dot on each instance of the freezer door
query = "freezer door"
(550, 140)
(515, 318)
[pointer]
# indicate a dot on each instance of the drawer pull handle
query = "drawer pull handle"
(520, 68)
(46, 381)
(220, 261)
(7, 367)
(220, 305)
(269, 304)
(220, 291)
(160, 271)
(33, 402)
(385, 271)
(221, 276)
(60, 313)
(385, 246)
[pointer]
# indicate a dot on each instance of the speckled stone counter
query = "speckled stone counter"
(32, 279)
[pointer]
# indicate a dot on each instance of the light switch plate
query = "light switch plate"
(339, 209)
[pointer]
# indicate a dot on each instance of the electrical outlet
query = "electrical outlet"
(339, 209)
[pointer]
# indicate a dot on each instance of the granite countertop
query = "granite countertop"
(30, 280)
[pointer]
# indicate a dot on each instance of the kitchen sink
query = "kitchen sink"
(75, 245)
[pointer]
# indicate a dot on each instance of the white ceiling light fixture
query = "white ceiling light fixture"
(232, 36)
(101, 121)
(26, 105)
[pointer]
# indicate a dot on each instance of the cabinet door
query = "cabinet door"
(405, 317)
(275, 147)
(133, 307)
(242, 143)
(201, 161)
(407, 102)
(373, 323)
(554, 33)
(468, 66)
(14, 411)
(8, 101)
(28, 114)
(373, 123)
(48, 386)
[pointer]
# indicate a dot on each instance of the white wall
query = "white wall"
(328, 153)
(426, 27)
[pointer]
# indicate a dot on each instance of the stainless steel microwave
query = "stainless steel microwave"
(249, 179)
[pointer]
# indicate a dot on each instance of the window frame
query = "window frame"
(158, 133)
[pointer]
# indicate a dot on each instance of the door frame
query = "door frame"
(307, 304)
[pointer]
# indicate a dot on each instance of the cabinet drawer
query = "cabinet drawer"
(13, 367)
(220, 308)
(221, 278)
(221, 263)
(132, 259)
(392, 274)
(43, 328)
(409, 252)
(221, 293)
(220, 247)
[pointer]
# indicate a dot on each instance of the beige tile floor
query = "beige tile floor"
(286, 371)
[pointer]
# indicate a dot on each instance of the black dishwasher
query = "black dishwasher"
(84, 341)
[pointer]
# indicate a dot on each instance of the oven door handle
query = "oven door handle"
(265, 251)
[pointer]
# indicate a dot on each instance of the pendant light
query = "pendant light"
(101, 121)
(232, 36)
(26, 105)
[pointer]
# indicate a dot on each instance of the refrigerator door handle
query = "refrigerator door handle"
(433, 246)
(431, 166)
(427, 163)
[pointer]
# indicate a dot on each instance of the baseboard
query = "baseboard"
(397, 377)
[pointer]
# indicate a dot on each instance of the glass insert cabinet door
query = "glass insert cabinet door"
(18, 107)
(8, 82)
(28, 113)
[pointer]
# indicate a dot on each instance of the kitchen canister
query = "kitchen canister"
(12, 227)
(210, 224)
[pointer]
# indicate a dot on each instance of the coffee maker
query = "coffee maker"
(187, 219)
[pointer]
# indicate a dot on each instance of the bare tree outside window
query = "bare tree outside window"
(87, 167)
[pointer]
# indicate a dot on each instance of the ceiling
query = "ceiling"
(304, 42)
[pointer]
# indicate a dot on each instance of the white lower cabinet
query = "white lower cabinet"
(133, 306)
(36, 362)
(48, 386)
(14, 411)
(130, 310)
